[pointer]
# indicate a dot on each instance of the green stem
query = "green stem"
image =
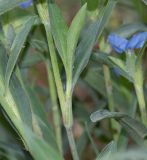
(72, 144)
(55, 107)
(141, 102)
(68, 125)
(44, 16)
(65, 99)
(108, 85)
(65, 103)
(55, 66)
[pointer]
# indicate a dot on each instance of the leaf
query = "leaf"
(74, 32)
(59, 30)
(87, 42)
(16, 105)
(103, 114)
(15, 102)
(10, 35)
(36, 104)
(17, 47)
(6, 5)
(102, 57)
(38, 148)
(118, 62)
(96, 81)
(123, 68)
(127, 30)
(133, 127)
(130, 64)
(108, 151)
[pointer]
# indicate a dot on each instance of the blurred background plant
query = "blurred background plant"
(65, 92)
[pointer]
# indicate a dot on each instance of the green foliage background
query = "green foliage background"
(57, 76)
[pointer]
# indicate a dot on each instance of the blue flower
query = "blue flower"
(118, 43)
(26, 4)
(137, 41)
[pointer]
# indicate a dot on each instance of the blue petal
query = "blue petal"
(117, 43)
(137, 41)
(25, 4)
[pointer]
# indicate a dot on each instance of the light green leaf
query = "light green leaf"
(59, 30)
(87, 42)
(16, 105)
(17, 46)
(38, 148)
(15, 102)
(73, 34)
(6, 5)
(118, 62)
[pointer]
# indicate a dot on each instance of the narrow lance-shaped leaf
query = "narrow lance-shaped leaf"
(121, 65)
(6, 5)
(103, 114)
(39, 149)
(88, 40)
(17, 46)
(127, 30)
(133, 127)
(59, 30)
(15, 102)
(74, 32)
(16, 106)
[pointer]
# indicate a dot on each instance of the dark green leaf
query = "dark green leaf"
(88, 40)
(59, 30)
(128, 29)
(15, 102)
(133, 127)
(16, 105)
(103, 114)
(17, 46)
